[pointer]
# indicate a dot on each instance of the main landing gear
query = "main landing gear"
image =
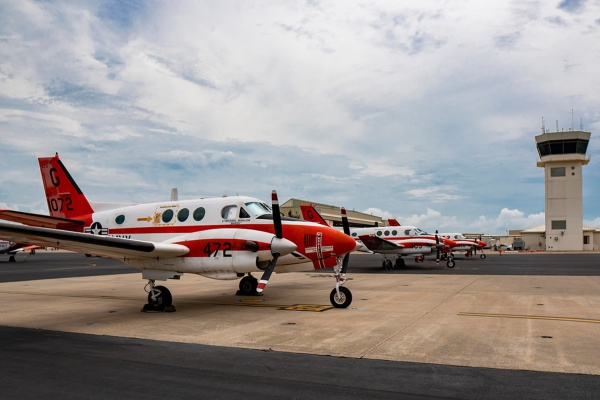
(248, 285)
(389, 265)
(159, 298)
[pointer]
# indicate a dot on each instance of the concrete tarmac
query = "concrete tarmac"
(527, 322)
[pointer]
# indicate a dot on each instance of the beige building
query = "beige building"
(562, 155)
(535, 238)
(331, 214)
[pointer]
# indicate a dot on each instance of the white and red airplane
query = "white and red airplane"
(404, 241)
(401, 241)
(464, 243)
(11, 248)
(220, 238)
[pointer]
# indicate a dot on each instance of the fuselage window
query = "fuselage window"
(394, 233)
(387, 233)
(167, 215)
(199, 213)
(120, 219)
(229, 212)
(407, 232)
(183, 214)
(378, 233)
(354, 234)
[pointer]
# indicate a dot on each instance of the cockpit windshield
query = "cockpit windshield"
(258, 209)
(420, 232)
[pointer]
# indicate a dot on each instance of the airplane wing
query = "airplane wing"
(375, 243)
(40, 220)
(90, 244)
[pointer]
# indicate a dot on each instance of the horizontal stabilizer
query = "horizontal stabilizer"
(44, 221)
(375, 243)
(87, 243)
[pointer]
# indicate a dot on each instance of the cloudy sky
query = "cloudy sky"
(422, 110)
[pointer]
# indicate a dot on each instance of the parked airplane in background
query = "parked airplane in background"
(464, 243)
(11, 249)
(220, 238)
(405, 241)
(401, 241)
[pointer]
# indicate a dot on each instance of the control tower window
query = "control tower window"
(559, 224)
(559, 171)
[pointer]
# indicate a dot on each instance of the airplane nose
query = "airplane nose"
(449, 242)
(343, 244)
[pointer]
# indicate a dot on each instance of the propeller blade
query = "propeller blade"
(276, 215)
(267, 274)
(437, 246)
(345, 263)
(345, 222)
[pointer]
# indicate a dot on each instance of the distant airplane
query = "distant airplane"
(405, 241)
(11, 248)
(395, 239)
(219, 238)
(463, 243)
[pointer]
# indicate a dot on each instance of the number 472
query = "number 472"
(210, 252)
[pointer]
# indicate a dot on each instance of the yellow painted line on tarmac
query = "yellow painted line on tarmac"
(243, 303)
(530, 317)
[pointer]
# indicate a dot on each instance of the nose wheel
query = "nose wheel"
(340, 297)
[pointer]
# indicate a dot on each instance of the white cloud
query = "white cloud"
(413, 105)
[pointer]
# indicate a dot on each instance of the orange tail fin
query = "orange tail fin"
(310, 214)
(65, 199)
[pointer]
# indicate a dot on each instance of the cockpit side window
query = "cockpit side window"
(407, 232)
(244, 213)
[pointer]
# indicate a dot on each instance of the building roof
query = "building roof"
(542, 229)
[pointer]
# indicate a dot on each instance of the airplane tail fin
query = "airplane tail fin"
(309, 213)
(65, 199)
(393, 222)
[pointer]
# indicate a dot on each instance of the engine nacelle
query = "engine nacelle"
(226, 250)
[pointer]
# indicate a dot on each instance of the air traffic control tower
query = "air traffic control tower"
(562, 154)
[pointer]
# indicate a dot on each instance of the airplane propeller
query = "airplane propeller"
(347, 232)
(279, 245)
(437, 246)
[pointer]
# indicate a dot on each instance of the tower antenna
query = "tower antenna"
(571, 119)
(580, 123)
(543, 127)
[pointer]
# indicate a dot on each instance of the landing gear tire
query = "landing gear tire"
(388, 265)
(482, 256)
(400, 263)
(12, 259)
(450, 263)
(248, 286)
(342, 300)
(159, 298)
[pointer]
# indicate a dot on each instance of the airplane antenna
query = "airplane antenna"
(174, 195)
(556, 125)
(580, 124)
